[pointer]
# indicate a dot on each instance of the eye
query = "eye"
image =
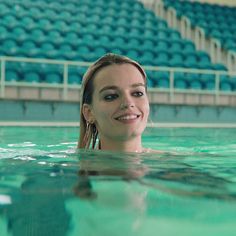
(138, 94)
(110, 97)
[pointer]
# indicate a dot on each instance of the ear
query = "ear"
(88, 113)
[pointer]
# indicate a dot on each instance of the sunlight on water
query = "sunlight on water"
(47, 187)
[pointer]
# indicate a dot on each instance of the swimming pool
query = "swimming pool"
(188, 190)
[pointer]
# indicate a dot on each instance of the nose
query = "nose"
(126, 103)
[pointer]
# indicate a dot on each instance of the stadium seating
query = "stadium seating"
(217, 21)
(86, 29)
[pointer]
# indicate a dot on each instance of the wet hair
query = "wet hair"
(87, 90)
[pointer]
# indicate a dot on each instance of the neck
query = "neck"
(133, 145)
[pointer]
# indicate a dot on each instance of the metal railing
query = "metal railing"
(65, 85)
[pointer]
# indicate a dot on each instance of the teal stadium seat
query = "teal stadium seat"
(9, 47)
(160, 79)
(208, 81)
(53, 78)
(9, 21)
(29, 48)
(180, 81)
(32, 77)
(3, 33)
(12, 76)
(176, 60)
(28, 22)
(216, 20)
(226, 83)
(162, 59)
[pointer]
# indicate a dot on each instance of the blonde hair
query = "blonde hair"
(88, 131)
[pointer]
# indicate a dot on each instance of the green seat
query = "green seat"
(32, 77)
(20, 34)
(12, 76)
(45, 24)
(9, 47)
(10, 21)
(133, 54)
(3, 34)
(53, 78)
(37, 35)
(177, 60)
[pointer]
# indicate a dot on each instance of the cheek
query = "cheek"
(146, 107)
(102, 112)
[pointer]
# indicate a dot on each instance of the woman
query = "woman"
(114, 105)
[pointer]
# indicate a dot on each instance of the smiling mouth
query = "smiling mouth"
(127, 117)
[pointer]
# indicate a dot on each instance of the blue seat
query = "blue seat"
(118, 42)
(133, 54)
(73, 78)
(194, 80)
(147, 58)
(208, 81)
(188, 47)
(97, 52)
(162, 59)
(161, 46)
(70, 37)
(75, 74)
(161, 79)
(53, 78)
(28, 22)
(12, 76)
(66, 52)
(177, 60)
(180, 83)
(150, 83)
(10, 21)
(37, 35)
(32, 77)
(176, 47)
(45, 24)
(195, 84)
(3, 33)
(104, 40)
(226, 83)
(219, 66)
(10, 47)
(53, 36)
(191, 61)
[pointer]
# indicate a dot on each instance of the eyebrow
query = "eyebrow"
(116, 87)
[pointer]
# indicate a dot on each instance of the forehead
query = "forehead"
(124, 74)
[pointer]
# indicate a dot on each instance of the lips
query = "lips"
(127, 117)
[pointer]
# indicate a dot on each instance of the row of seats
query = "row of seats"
(143, 37)
(200, 7)
(94, 29)
(54, 74)
(81, 20)
(177, 55)
(217, 21)
(192, 81)
(66, 11)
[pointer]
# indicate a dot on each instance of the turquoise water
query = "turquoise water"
(190, 189)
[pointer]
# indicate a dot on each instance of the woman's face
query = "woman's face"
(120, 106)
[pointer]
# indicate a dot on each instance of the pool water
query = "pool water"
(48, 188)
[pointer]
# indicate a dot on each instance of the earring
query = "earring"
(87, 135)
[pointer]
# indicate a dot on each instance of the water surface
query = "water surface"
(47, 187)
